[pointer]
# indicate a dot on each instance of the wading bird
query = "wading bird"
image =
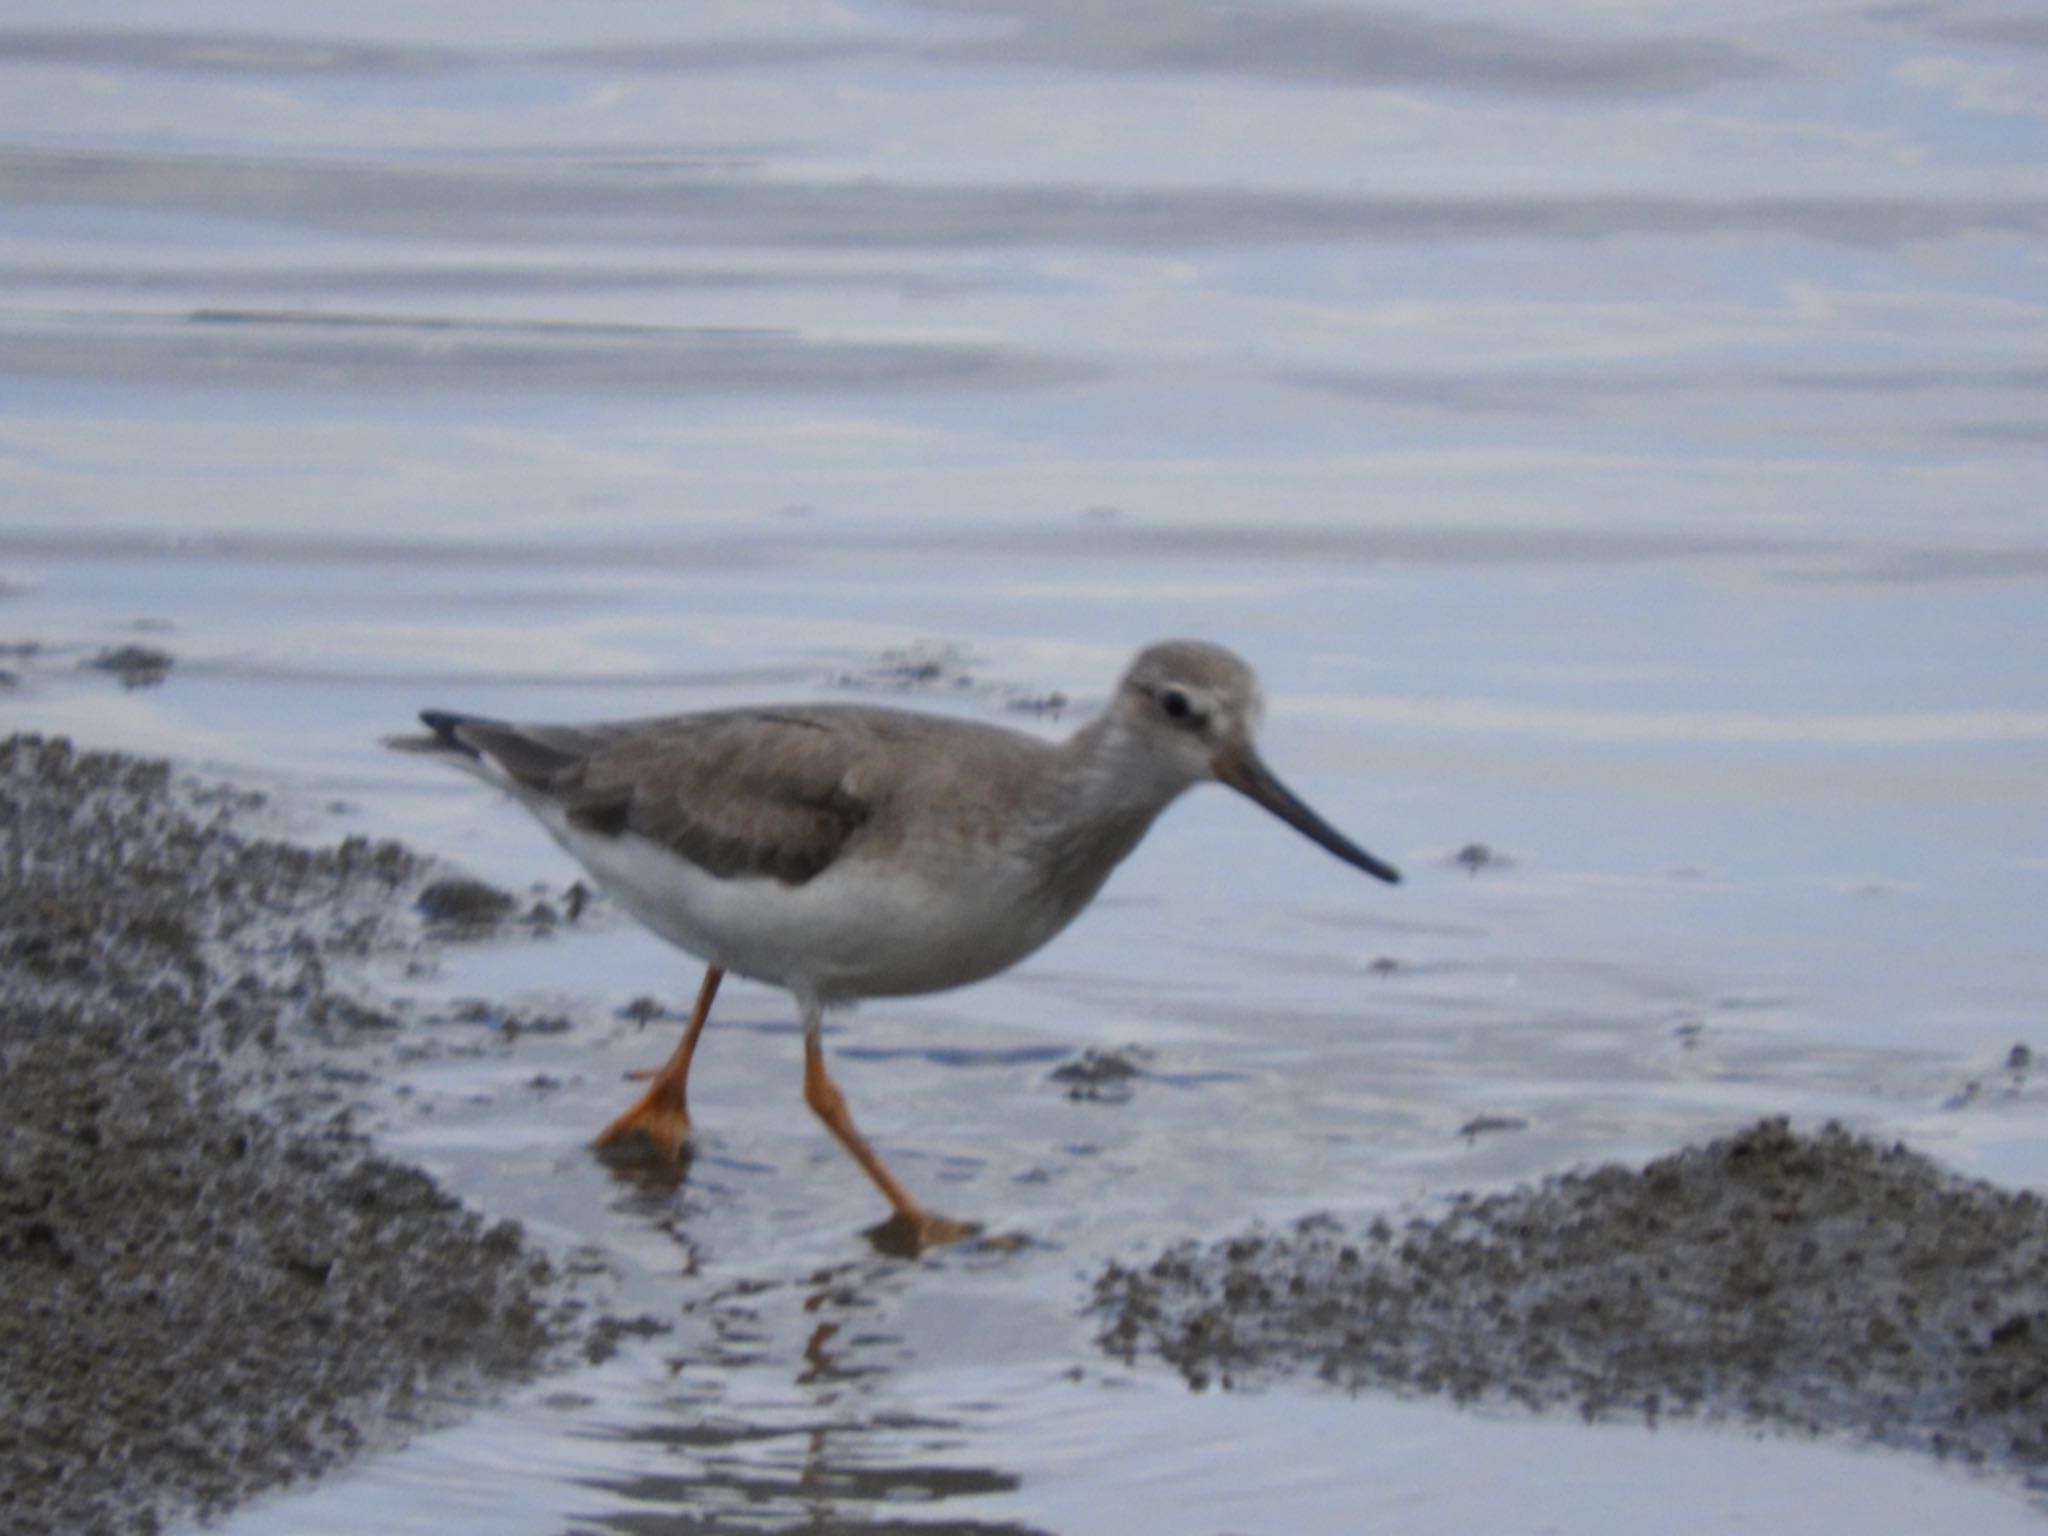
(845, 851)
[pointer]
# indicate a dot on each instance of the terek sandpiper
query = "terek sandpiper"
(845, 851)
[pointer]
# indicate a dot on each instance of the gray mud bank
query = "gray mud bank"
(1821, 1282)
(198, 1301)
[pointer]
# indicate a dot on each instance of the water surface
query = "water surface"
(1617, 442)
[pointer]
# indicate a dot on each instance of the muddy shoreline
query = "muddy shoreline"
(209, 1285)
(1819, 1282)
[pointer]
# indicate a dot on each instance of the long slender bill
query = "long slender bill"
(1243, 772)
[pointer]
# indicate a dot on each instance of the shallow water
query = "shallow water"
(1683, 550)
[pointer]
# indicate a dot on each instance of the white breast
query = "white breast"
(865, 927)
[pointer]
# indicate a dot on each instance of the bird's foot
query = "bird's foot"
(908, 1234)
(660, 1117)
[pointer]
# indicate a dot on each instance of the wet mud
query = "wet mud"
(940, 669)
(135, 666)
(208, 1284)
(1103, 1076)
(464, 906)
(1824, 1282)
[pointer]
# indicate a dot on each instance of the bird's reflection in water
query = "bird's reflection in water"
(834, 1454)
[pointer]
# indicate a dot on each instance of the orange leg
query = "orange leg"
(912, 1229)
(662, 1112)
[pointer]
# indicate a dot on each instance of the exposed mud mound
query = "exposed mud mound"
(193, 1302)
(1825, 1282)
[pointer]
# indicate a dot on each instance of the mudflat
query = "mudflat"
(1819, 1281)
(208, 1284)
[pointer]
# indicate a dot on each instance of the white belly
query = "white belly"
(862, 928)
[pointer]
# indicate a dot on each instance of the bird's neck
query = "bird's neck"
(1101, 804)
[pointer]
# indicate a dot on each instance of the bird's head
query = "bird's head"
(1193, 709)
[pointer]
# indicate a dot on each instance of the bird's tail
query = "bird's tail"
(446, 740)
(512, 756)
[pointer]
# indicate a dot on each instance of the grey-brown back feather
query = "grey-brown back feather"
(736, 792)
(742, 792)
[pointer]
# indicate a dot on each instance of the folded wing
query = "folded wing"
(739, 792)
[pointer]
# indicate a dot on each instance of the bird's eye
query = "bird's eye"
(1175, 706)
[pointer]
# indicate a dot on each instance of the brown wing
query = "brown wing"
(740, 792)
